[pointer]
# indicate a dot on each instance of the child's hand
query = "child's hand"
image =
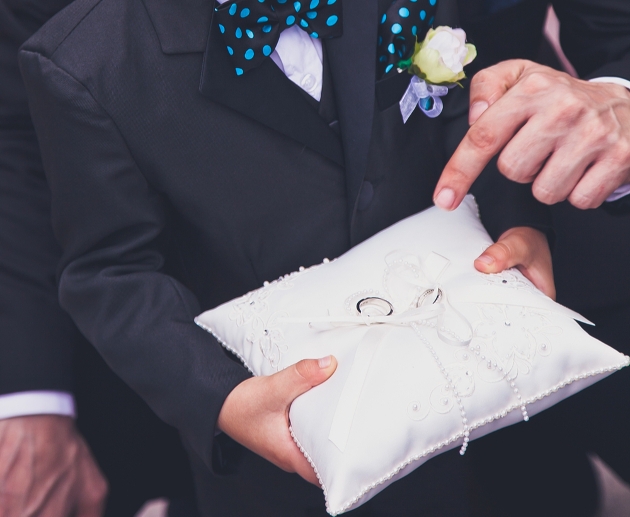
(256, 413)
(528, 250)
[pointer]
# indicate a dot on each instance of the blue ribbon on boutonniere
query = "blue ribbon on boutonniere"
(437, 65)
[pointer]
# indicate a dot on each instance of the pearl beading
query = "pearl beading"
(450, 385)
(491, 365)
(454, 438)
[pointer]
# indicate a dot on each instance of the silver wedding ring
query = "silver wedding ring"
(428, 293)
(374, 306)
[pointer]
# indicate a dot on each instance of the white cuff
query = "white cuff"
(614, 80)
(624, 190)
(37, 403)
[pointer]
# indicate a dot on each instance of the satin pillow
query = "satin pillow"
(431, 353)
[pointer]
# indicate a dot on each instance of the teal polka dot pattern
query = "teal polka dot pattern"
(400, 25)
(251, 28)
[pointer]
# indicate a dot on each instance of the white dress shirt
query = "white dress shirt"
(300, 58)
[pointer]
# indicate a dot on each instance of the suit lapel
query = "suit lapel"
(353, 69)
(267, 96)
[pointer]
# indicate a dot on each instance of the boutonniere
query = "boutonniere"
(437, 64)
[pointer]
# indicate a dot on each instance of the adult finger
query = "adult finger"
(488, 133)
(599, 182)
(525, 154)
(291, 382)
(526, 249)
(482, 142)
(92, 489)
(490, 84)
(561, 173)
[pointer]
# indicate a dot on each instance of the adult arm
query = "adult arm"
(46, 467)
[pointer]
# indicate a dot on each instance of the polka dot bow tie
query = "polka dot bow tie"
(402, 23)
(251, 28)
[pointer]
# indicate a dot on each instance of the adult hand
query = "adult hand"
(47, 470)
(256, 413)
(570, 137)
(526, 249)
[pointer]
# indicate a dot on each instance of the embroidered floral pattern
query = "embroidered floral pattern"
(511, 337)
(511, 278)
(253, 310)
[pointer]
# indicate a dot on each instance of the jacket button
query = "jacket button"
(365, 196)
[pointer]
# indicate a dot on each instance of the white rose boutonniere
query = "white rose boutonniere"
(437, 64)
(441, 57)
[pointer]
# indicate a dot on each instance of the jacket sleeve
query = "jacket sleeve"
(595, 36)
(109, 222)
(36, 335)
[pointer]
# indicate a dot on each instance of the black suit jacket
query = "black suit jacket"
(177, 185)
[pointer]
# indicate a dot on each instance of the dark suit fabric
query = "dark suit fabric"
(591, 261)
(30, 316)
(177, 186)
(40, 348)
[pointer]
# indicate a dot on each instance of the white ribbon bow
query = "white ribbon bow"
(411, 283)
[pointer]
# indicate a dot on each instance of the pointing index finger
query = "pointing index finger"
(488, 87)
(482, 142)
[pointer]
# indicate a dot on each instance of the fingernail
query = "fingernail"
(486, 259)
(445, 198)
(476, 110)
(324, 362)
